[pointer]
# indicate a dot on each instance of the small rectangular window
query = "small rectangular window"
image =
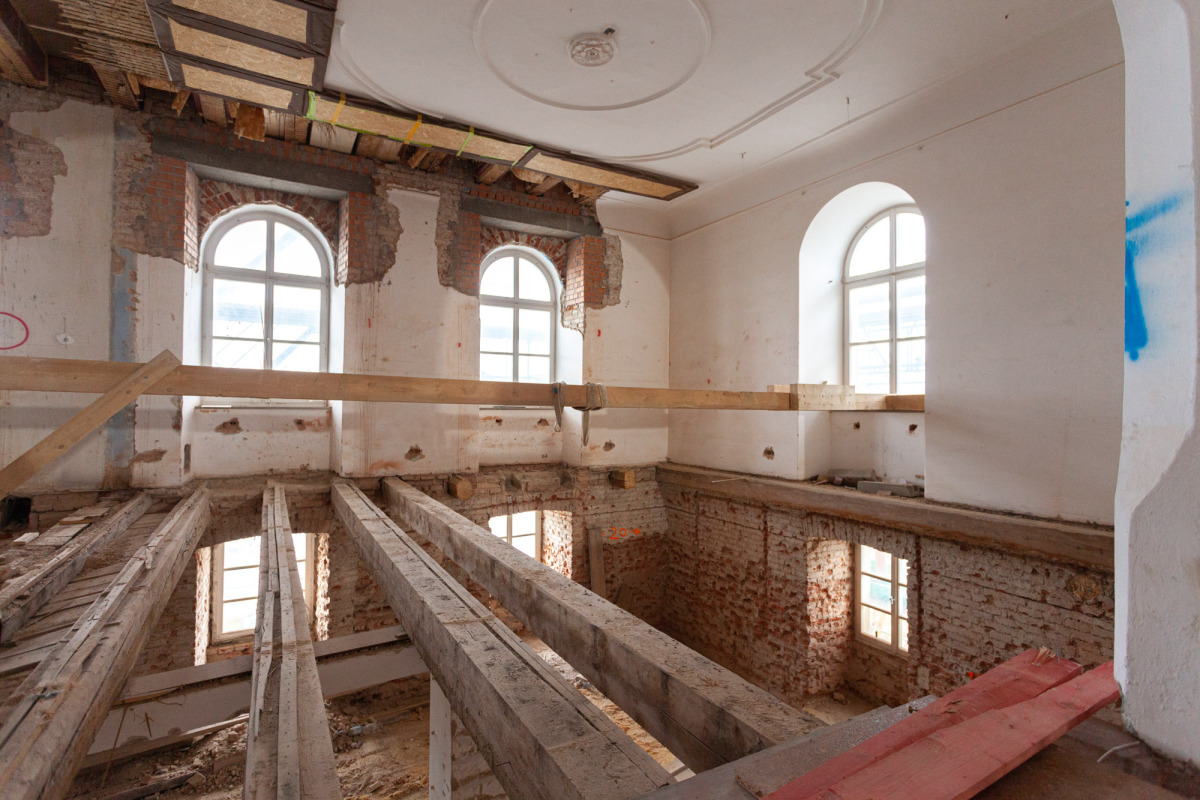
(235, 583)
(522, 530)
(881, 598)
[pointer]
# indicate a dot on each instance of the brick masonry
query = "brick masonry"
(28, 166)
(218, 197)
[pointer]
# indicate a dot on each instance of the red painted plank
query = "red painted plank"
(959, 762)
(1015, 681)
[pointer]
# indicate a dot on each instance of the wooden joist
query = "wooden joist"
(22, 597)
(21, 58)
(700, 711)
(76, 375)
(959, 762)
(540, 736)
(289, 753)
(51, 719)
(1019, 679)
(117, 394)
(491, 173)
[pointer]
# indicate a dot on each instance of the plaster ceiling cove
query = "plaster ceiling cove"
(705, 90)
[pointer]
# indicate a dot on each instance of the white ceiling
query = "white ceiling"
(705, 90)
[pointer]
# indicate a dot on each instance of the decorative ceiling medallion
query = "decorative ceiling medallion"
(535, 49)
(592, 49)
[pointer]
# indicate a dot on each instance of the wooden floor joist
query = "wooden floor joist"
(289, 753)
(700, 711)
(540, 736)
(76, 375)
(48, 724)
(23, 596)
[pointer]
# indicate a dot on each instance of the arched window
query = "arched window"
(884, 283)
(266, 293)
(516, 318)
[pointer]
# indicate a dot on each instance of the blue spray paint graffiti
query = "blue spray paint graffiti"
(1139, 240)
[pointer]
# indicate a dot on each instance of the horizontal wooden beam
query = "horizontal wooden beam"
(21, 58)
(78, 375)
(1079, 544)
(700, 711)
(52, 717)
(541, 737)
(23, 596)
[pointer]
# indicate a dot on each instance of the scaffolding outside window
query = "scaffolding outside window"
(266, 293)
(881, 601)
(235, 583)
(523, 531)
(516, 318)
(884, 282)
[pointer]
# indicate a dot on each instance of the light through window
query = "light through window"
(885, 305)
(516, 319)
(523, 531)
(235, 582)
(882, 586)
(266, 294)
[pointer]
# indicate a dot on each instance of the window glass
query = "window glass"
(870, 313)
(297, 314)
(236, 585)
(882, 598)
(237, 354)
(531, 283)
(910, 239)
(910, 356)
(296, 357)
(910, 307)
(516, 329)
(534, 337)
(497, 279)
(522, 530)
(494, 367)
(495, 329)
(239, 308)
(244, 246)
(870, 366)
(872, 253)
(294, 255)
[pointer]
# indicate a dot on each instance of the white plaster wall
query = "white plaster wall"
(60, 283)
(1023, 213)
(1157, 632)
(263, 440)
(160, 321)
(409, 324)
(892, 444)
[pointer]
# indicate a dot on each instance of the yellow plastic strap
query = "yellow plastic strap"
(337, 112)
(413, 132)
(470, 133)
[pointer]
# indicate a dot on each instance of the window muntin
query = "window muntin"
(881, 599)
(522, 530)
(235, 583)
(266, 294)
(885, 304)
(516, 319)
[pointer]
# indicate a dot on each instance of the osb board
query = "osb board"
(408, 129)
(586, 173)
(115, 34)
(280, 19)
(209, 80)
(243, 55)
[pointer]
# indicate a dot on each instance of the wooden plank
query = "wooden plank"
(491, 173)
(1021, 678)
(96, 414)
(1063, 541)
(700, 711)
(541, 737)
(817, 396)
(51, 719)
(74, 375)
(59, 535)
(21, 58)
(888, 402)
(26, 538)
(21, 598)
(289, 753)
(961, 761)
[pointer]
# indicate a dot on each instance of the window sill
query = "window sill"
(886, 649)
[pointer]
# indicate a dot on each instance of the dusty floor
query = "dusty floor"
(838, 706)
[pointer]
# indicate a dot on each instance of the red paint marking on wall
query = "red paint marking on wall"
(617, 534)
(597, 331)
(23, 325)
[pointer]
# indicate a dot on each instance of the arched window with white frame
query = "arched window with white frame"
(517, 325)
(266, 292)
(884, 283)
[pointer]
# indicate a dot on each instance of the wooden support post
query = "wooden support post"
(459, 487)
(622, 478)
(441, 749)
(21, 58)
(541, 737)
(124, 392)
(22, 597)
(700, 711)
(50, 720)
(289, 753)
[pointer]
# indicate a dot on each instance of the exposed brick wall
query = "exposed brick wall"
(558, 202)
(28, 166)
(552, 248)
(586, 284)
(829, 612)
(558, 539)
(203, 604)
(172, 644)
(355, 602)
(217, 197)
(192, 230)
(463, 274)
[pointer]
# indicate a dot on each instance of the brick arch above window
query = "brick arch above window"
(552, 248)
(219, 197)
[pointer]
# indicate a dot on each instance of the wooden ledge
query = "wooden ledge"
(1062, 541)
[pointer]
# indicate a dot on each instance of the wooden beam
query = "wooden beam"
(289, 753)
(77, 375)
(212, 108)
(21, 597)
(1063, 541)
(331, 137)
(585, 191)
(700, 711)
(623, 478)
(119, 394)
(959, 762)
(491, 173)
(528, 176)
(540, 736)
(548, 183)
(21, 58)
(53, 716)
(181, 98)
(1021, 678)
(460, 487)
